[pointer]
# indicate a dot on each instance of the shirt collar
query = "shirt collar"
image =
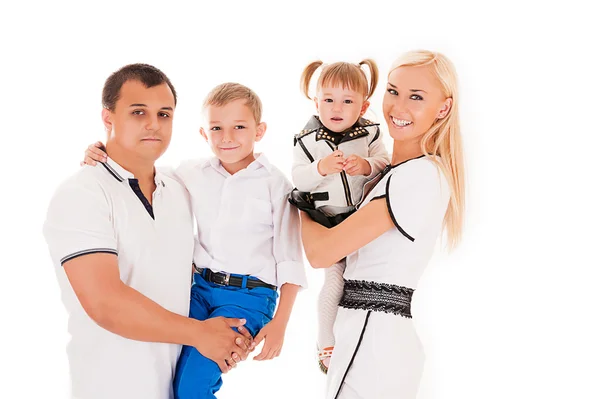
(122, 174)
(261, 161)
(315, 123)
(356, 131)
(116, 170)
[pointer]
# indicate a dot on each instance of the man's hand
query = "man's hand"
(246, 344)
(273, 334)
(332, 163)
(218, 342)
(356, 166)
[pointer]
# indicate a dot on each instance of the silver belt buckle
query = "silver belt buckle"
(223, 280)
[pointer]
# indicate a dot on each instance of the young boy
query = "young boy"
(248, 243)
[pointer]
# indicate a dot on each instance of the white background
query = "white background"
(512, 313)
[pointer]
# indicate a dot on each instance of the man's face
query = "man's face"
(142, 120)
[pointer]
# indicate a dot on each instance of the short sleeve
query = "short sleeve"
(417, 198)
(79, 222)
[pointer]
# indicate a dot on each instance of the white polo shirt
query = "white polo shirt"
(245, 223)
(100, 210)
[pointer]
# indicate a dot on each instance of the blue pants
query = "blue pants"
(197, 376)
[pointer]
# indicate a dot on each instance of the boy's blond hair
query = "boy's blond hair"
(225, 93)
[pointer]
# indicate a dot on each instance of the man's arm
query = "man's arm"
(122, 310)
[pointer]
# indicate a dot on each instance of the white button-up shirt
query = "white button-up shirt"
(97, 211)
(245, 223)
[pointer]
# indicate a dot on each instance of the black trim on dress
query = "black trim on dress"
(389, 207)
(353, 355)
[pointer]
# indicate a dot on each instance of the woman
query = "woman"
(390, 239)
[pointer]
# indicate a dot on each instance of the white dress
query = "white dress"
(378, 353)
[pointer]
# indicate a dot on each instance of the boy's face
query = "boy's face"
(339, 108)
(142, 121)
(231, 132)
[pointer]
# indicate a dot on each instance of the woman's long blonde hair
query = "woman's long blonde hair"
(444, 138)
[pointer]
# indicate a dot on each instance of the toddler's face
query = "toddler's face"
(339, 108)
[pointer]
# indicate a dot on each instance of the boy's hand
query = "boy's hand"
(356, 166)
(94, 153)
(273, 334)
(332, 163)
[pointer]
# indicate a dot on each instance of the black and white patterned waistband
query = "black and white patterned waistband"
(379, 297)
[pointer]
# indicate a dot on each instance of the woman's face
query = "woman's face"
(413, 101)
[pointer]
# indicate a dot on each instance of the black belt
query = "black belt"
(379, 297)
(232, 280)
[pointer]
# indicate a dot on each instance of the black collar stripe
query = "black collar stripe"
(112, 171)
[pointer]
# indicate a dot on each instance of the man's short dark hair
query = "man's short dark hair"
(147, 74)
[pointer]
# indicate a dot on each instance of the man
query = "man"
(121, 237)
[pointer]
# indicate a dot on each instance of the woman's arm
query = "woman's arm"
(324, 247)
(416, 198)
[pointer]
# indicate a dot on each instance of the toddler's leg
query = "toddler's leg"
(328, 301)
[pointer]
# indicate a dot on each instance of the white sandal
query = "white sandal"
(323, 354)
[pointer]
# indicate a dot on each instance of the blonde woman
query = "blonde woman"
(390, 239)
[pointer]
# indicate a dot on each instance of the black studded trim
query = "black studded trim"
(378, 297)
(314, 125)
(325, 134)
(354, 133)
